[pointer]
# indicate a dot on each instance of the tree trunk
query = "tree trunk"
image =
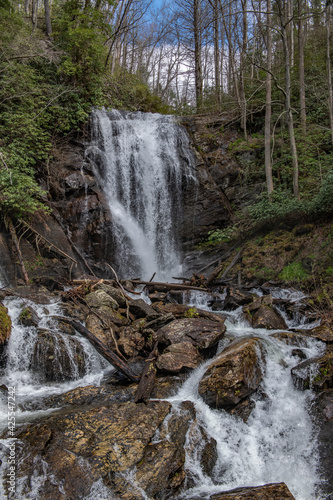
(17, 247)
(301, 66)
(242, 70)
(290, 121)
(268, 111)
(329, 67)
(48, 18)
(197, 53)
(103, 350)
(217, 54)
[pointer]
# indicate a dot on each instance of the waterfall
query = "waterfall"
(143, 162)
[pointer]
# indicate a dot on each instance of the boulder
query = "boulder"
(99, 298)
(322, 332)
(96, 327)
(161, 321)
(141, 309)
(58, 357)
(236, 297)
(28, 317)
(234, 375)
(178, 357)
(315, 373)
(274, 491)
(81, 445)
(323, 413)
(202, 333)
(265, 317)
(115, 293)
(292, 338)
(130, 341)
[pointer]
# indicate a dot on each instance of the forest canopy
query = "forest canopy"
(265, 66)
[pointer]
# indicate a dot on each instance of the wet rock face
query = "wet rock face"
(5, 331)
(57, 357)
(201, 333)
(316, 373)
(233, 376)
(80, 446)
(178, 357)
(278, 491)
(261, 314)
(323, 413)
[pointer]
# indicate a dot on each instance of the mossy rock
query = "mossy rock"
(5, 325)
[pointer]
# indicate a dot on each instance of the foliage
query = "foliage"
(221, 235)
(324, 200)
(293, 273)
(279, 205)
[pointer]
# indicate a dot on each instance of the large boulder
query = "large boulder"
(202, 333)
(178, 357)
(323, 413)
(58, 357)
(315, 373)
(100, 298)
(264, 316)
(79, 446)
(274, 491)
(234, 375)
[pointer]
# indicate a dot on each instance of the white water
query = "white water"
(137, 159)
(278, 442)
(30, 386)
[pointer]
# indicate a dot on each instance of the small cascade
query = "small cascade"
(143, 162)
(278, 441)
(43, 361)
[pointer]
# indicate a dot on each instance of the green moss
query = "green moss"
(191, 313)
(5, 324)
(293, 272)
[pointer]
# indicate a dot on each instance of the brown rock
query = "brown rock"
(323, 333)
(266, 317)
(316, 373)
(80, 446)
(323, 411)
(5, 325)
(99, 298)
(58, 359)
(236, 297)
(183, 311)
(141, 309)
(95, 326)
(130, 341)
(178, 357)
(291, 338)
(115, 293)
(202, 333)
(233, 376)
(274, 491)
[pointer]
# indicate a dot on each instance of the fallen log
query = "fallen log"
(217, 271)
(147, 380)
(168, 286)
(110, 356)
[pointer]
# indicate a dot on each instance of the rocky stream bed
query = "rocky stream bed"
(241, 406)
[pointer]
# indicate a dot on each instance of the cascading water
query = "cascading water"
(142, 160)
(277, 443)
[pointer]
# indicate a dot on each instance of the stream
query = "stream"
(276, 444)
(144, 164)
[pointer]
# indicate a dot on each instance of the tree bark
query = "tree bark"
(147, 380)
(329, 67)
(301, 66)
(197, 53)
(268, 111)
(48, 18)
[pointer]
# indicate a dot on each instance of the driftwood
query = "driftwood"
(217, 271)
(168, 286)
(110, 356)
(147, 380)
